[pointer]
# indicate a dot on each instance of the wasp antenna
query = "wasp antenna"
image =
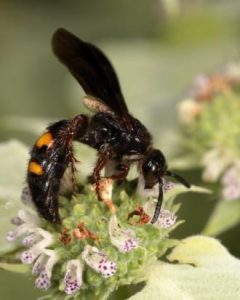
(158, 205)
(178, 178)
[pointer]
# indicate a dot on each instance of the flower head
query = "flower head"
(90, 244)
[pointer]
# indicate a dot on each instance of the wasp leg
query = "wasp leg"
(103, 185)
(122, 173)
(143, 217)
(76, 132)
(73, 169)
(103, 158)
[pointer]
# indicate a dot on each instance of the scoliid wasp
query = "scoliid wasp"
(119, 138)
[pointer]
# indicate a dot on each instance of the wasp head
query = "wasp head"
(154, 167)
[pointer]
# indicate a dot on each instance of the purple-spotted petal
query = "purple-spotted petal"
(25, 223)
(167, 185)
(73, 276)
(39, 264)
(98, 261)
(18, 232)
(166, 219)
(31, 239)
(29, 256)
(123, 239)
(43, 281)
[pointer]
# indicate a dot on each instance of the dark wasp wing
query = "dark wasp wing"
(92, 70)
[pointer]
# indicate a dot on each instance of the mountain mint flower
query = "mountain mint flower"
(231, 182)
(124, 239)
(99, 261)
(26, 196)
(96, 245)
(73, 276)
(189, 110)
(25, 222)
(31, 239)
(215, 162)
(43, 281)
(29, 256)
(211, 128)
(166, 218)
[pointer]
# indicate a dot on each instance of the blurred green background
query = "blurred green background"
(157, 48)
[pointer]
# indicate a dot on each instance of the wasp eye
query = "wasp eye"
(150, 171)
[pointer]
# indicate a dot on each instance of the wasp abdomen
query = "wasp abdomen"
(45, 170)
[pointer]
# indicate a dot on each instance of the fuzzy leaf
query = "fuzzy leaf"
(226, 215)
(13, 159)
(16, 268)
(206, 270)
(180, 189)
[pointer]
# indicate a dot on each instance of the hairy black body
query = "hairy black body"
(119, 138)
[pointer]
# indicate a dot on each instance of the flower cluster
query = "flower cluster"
(206, 88)
(94, 246)
(211, 119)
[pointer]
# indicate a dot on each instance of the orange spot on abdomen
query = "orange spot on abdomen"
(45, 139)
(35, 168)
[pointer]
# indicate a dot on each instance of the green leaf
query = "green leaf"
(13, 161)
(180, 189)
(206, 270)
(16, 268)
(226, 215)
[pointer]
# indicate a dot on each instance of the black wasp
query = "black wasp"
(119, 138)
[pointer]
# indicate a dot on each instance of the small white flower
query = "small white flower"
(231, 192)
(215, 162)
(31, 239)
(45, 267)
(26, 196)
(167, 185)
(16, 221)
(98, 261)
(231, 182)
(166, 218)
(73, 276)
(39, 264)
(123, 239)
(189, 109)
(232, 72)
(29, 256)
(26, 222)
